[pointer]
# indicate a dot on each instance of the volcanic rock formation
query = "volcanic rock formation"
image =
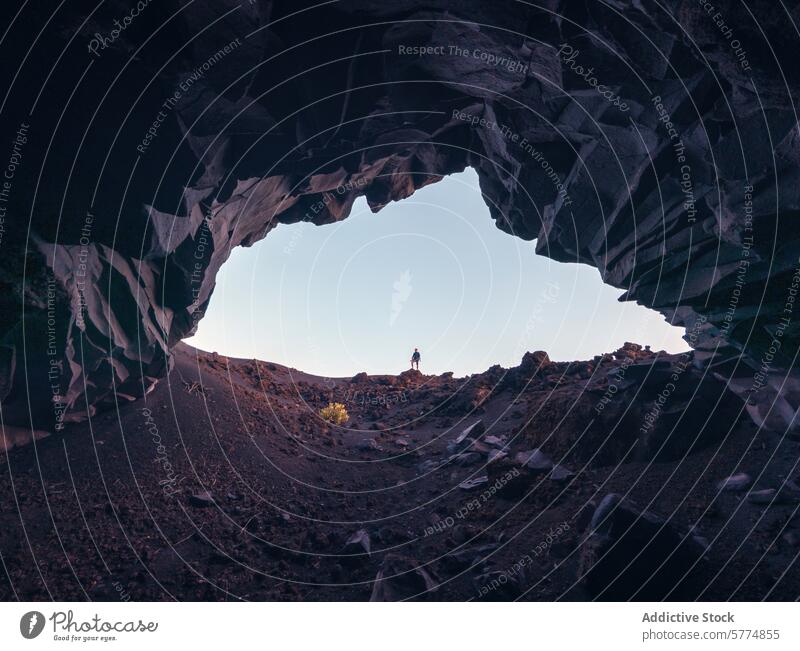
(653, 141)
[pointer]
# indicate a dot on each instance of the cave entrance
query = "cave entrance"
(431, 272)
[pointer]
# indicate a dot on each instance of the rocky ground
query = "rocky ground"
(630, 476)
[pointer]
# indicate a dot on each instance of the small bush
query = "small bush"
(334, 413)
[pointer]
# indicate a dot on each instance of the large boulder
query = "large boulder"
(629, 554)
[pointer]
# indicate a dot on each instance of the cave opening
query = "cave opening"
(431, 272)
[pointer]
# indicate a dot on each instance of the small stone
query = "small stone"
(402, 442)
(735, 483)
(202, 499)
(771, 496)
(455, 448)
(766, 496)
(560, 473)
(494, 441)
(472, 484)
(359, 543)
(473, 431)
(480, 447)
(400, 579)
(534, 460)
(367, 445)
(496, 455)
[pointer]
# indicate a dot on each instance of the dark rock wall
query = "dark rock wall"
(657, 142)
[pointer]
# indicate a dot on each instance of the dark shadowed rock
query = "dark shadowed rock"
(201, 499)
(474, 483)
(773, 496)
(471, 432)
(629, 554)
(534, 362)
(367, 445)
(560, 473)
(534, 460)
(735, 483)
(401, 579)
(494, 441)
(496, 455)
(358, 544)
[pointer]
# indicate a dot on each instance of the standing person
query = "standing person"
(415, 358)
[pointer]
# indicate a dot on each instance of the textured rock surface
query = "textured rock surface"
(636, 555)
(144, 158)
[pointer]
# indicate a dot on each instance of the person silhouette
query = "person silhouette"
(415, 358)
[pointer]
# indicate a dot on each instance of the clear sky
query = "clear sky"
(431, 272)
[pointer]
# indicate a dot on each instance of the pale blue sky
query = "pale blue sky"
(431, 271)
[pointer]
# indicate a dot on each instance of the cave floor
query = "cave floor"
(114, 508)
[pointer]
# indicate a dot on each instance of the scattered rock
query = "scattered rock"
(635, 555)
(478, 446)
(766, 496)
(496, 455)
(771, 496)
(358, 544)
(735, 483)
(401, 579)
(453, 449)
(494, 441)
(366, 445)
(535, 460)
(473, 431)
(560, 473)
(14, 437)
(201, 499)
(472, 484)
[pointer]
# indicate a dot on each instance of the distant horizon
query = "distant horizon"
(432, 272)
(422, 370)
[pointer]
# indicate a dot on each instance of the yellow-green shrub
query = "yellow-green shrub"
(334, 413)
